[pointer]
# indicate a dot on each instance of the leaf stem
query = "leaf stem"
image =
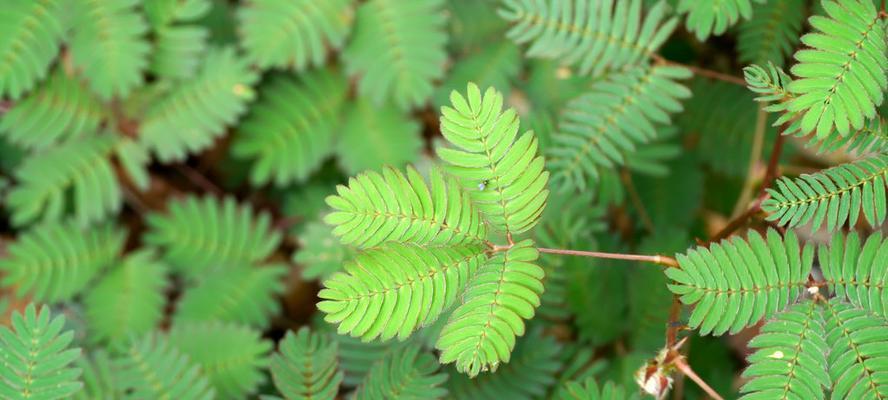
(656, 259)
(703, 71)
(683, 366)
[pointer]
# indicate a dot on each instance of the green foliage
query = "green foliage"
(306, 366)
(401, 207)
(293, 34)
(36, 357)
(241, 294)
(179, 42)
(714, 17)
(737, 282)
(407, 373)
(109, 45)
(505, 290)
(320, 253)
(595, 37)
(374, 137)
(59, 108)
(835, 196)
(494, 66)
(231, 356)
(725, 117)
(589, 390)
(529, 375)
(290, 130)
(75, 178)
(55, 262)
(500, 170)
(397, 50)
(841, 78)
(414, 286)
(128, 301)
(30, 35)
(857, 271)
(857, 363)
(196, 112)
(790, 357)
(614, 117)
(99, 377)
(772, 33)
(197, 235)
(153, 368)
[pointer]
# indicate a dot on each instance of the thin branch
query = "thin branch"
(636, 200)
(770, 176)
(657, 259)
(673, 325)
(198, 179)
(703, 71)
(755, 156)
(683, 366)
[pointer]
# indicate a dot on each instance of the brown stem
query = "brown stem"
(703, 71)
(657, 259)
(198, 179)
(738, 222)
(683, 366)
(771, 173)
(673, 324)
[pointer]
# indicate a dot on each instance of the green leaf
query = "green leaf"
(196, 235)
(857, 342)
(243, 294)
(790, 357)
(59, 108)
(407, 373)
(54, 262)
(30, 35)
(397, 50)
(75, 178)
(196, 112)
(772, 33)
(152, 368)
(128, 301)
(170, 20)
(99, 379)
(589, 390)
(500, 169)
(612, 119)
(841, 77)
(857, 272)
(306, 366)
(375, 208)
(290, 131)
(232, 356)
(714, 17)
(481, 332)
(528, 375)
(735, 283)
(395, 289)
(595, 37)
(109, 45)
(835, 196)
(495, 65)
(374, 137)
(320, 253)
(293, 34)
(36, 357)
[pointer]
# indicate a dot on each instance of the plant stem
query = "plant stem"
(657, 259)
(626, 177)
(755, 156)
(703, 71)
(686, 369)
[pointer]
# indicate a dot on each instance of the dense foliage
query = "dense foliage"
(380, 199)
